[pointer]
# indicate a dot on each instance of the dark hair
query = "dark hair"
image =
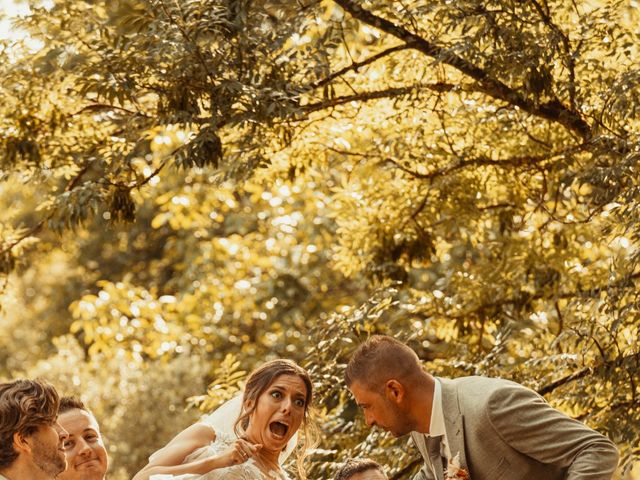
(259, 381)
(25, 405)
(354, 465)
(379, 359)
(70, 403)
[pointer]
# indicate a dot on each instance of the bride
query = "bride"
(248, 438)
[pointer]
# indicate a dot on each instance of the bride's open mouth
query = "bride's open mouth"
(279, 430)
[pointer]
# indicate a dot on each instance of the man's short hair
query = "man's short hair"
(379, 359)
(25, 405)
(356, 465)
(70, 403)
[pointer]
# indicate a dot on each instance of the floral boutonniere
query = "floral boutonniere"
(454, 470)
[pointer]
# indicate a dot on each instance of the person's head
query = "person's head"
(31, 440)
(86, 454)
(383, 374)
(360, 469)
(276, 403)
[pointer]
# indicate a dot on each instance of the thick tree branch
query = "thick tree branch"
(553, 111)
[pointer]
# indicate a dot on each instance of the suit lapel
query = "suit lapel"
(453, 420)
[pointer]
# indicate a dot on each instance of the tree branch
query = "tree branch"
(566, 44)
(583, 292)
(564, 380)
(356, 65)
(188, 39)
(476, 162)
(6, 248)
(388, 93)
(553, 111)
(104, 106)
(584, 372)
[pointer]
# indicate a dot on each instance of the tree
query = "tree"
(462, 175)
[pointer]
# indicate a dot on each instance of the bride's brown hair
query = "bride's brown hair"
(258, 382)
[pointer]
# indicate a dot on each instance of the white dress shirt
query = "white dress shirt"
(436, 429)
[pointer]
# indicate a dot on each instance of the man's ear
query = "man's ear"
(394, 391)
(21, 443)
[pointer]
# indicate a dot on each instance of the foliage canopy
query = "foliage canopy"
(185, 180)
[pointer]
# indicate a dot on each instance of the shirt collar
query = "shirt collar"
(436, 427)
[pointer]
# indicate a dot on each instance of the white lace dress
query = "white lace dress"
(244, 471)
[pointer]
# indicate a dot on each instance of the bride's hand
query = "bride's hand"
(239, 452)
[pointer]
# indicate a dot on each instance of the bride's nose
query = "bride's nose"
(285, 405)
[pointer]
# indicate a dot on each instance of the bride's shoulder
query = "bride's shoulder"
(215, 437)
(202, 432)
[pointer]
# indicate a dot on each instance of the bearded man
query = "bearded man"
(31, 440)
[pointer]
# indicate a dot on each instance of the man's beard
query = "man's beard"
(49, 458)
(402, 423)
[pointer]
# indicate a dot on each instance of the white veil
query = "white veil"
(223, 419)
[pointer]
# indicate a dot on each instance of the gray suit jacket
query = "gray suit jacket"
(501, 429)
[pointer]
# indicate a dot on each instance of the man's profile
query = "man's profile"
(31, 440)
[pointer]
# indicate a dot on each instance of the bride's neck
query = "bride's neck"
(269, 459)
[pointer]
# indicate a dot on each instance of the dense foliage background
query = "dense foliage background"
(191, 187)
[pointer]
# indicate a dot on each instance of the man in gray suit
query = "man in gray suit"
(473, 427)
(31, 440)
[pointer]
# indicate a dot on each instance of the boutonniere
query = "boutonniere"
(455, 471)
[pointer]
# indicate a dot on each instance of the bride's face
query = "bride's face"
(279, 412)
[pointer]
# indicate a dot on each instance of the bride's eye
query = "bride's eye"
(276, 394)
(299, 402)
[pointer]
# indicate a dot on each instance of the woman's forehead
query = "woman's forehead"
(292, 382)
